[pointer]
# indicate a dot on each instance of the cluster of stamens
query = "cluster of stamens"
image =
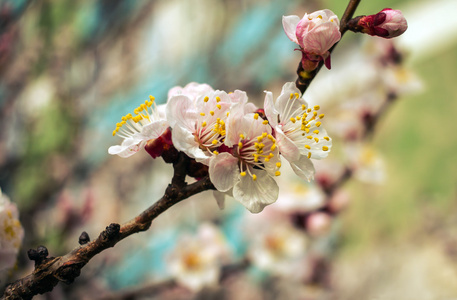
(134, 123)
(256, 152)
(210, 128)
(305, 117)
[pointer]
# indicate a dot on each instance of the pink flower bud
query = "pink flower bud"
(388, 23)
(315, 33)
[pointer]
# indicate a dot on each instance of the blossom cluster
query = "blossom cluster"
(11, 233)
(241, 145)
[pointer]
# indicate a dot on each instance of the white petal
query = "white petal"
(289, 23)
(255, 195)
(270, 111)
(128, 147)
(184, 141)
(178, 108)
(153, 130)
(287, 148)
(220, 199)
(223, 171)
(303, 167)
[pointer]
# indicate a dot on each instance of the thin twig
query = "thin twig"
(49, 271)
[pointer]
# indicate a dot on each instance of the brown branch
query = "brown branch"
(306, 77)
(49, 271)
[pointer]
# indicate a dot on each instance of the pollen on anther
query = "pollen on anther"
(325, 148)
(254, 177)
(218, 106)
(265, 122)
(278, 164)
(273, 147)
(214, 142)
(326, 138)
(151, 98)
(218, 99)
(211, 113)
(202, 114)
(308, 147)
(316, 139)
(309, 154)
(240, 145)
(316, 107)
(256, 116)
(277, 173)
(243, 174)
(318, 124)
(203, 124)
(316, 131)
(215, 152)
(321, 116)
(206, 99)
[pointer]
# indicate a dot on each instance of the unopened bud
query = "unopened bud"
(388, 23)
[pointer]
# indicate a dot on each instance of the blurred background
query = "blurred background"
(69, 70)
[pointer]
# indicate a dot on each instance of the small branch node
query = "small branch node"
(84, 238)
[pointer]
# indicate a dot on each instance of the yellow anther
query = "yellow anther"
(318, 124)
(259, 138)
(308, 147)
(265, 122)
(215, 152)
(211, 113)
(319, 16)
(206, 99)
(316, 131)
(297, 95)
(242, 136)
(240, 145)
(114, 132)
(228, 114)
(214, 142)
(316, 107)
(271, 155)
(307, 130)
(218, 106)
(309, 137)
(303, 107)
(321, 116)
(256, 116)
(325, 148)
(243, 174)
(202, 114)
(256, 157)
(135, 111)
(292, 119)
(309, 154)
(218, 99)
(316, 139)
(270, 137)
(277, 173)
(267, 159)
(254, 177)
(291, 96)
(326, 138)
(315, 113)
(309, 110)
(264, 135)
(278, 164)
(203, 124)
(151, 98)
(273, 147)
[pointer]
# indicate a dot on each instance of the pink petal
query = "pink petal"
(289, 23)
